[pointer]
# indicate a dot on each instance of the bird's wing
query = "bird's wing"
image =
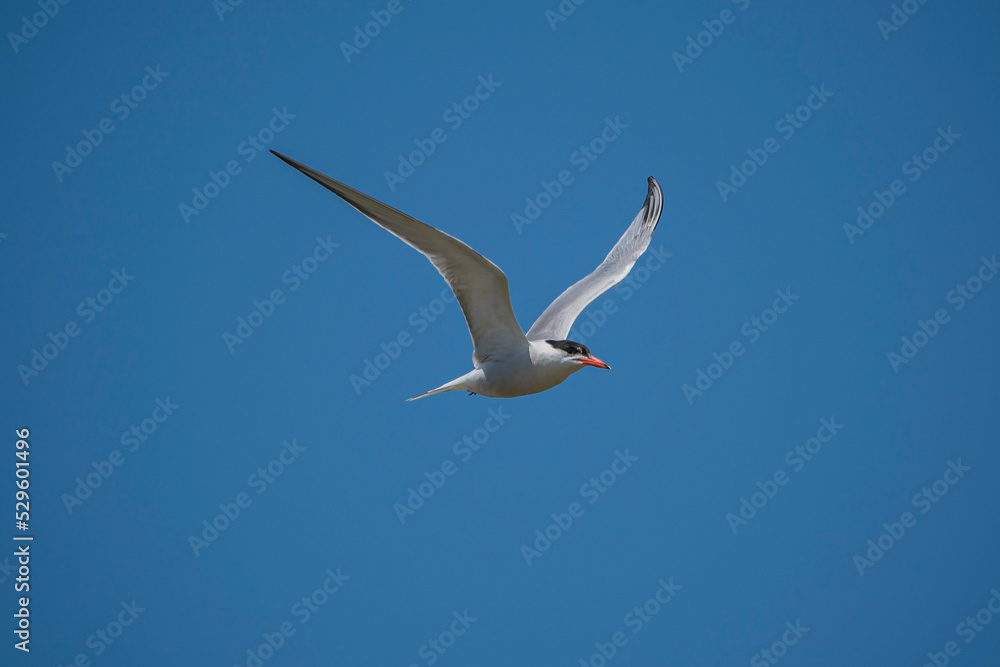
(558, 318)
(481, 287)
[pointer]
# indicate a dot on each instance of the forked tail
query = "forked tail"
(458, 384)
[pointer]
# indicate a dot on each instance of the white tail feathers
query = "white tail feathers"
(432, 392)
(458, 384)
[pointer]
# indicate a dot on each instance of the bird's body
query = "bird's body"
(508, 362)
(531, 370)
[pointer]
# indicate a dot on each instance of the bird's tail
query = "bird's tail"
(458, 384)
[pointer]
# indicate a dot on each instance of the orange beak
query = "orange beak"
(594, 361)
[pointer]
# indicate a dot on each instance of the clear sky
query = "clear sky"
(793, 460)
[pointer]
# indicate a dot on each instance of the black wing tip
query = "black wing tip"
(653, 184)
(308, 171)
(289, 161)
(283, 158)
(654, 202)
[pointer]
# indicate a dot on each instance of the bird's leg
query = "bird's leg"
(472, 393)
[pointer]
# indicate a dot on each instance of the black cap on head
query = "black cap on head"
(569, 347)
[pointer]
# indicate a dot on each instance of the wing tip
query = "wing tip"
(336, 187)
(654, 202)
(284, 158)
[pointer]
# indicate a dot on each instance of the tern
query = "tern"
(507, 362)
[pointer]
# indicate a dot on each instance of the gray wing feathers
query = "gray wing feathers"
(480, 286)
(558, 318)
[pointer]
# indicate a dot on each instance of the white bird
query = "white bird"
(508, 362)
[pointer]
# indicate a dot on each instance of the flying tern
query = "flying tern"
(507, 362)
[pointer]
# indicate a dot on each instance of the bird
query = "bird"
(507, 362)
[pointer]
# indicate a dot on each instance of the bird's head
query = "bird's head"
(575, 353)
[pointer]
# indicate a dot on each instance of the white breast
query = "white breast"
(538, 368)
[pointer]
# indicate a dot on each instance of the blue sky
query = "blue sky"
(792, 461)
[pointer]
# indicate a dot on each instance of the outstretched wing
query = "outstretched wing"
(481, 287)
(558, 318)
